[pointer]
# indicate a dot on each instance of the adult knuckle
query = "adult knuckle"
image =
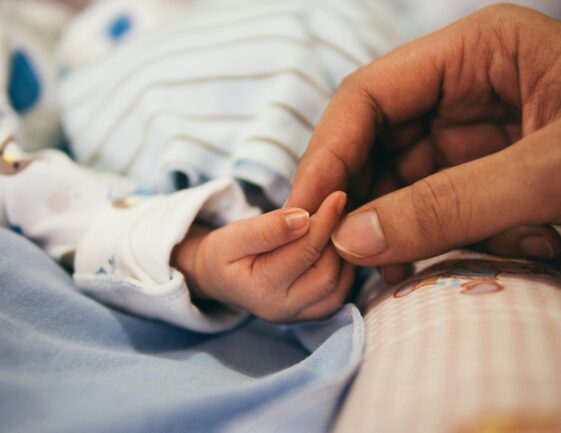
(495, 22)
(437, 209)
(499, 11)
(425, 210)
(507, 19)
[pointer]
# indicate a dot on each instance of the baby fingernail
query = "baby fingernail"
(341, 203)
(296, 219)
(536, 246)
(360, 235)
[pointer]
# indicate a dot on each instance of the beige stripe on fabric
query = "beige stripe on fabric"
(203, 143)
(160, 56)
(95, 155)
(278, 144)
(206, 118)
(338, 49)
(160, 38)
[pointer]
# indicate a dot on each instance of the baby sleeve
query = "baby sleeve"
(123, 258)
(119, 243)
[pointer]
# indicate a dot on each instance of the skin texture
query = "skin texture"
(451, 140)
(263, 265)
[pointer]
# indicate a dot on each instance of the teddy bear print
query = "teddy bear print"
(473, 276)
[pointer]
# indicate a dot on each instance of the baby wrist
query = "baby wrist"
(186, 258)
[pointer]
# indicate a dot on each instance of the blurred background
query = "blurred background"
(429, 15)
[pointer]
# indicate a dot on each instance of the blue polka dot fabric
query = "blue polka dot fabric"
(24, 84)
(120, 26)
(17, 229)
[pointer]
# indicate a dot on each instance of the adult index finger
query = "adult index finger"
(400, 86)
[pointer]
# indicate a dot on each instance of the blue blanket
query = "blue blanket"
(70, 364)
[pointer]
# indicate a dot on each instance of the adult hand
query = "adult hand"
(457, 137)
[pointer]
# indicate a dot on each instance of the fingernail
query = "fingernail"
(296, 219)
(536, 246)
(342, 202)
(360, 235)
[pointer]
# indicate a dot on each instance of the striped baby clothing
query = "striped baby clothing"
(174, 93)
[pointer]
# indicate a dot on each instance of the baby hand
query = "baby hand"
(279, 266)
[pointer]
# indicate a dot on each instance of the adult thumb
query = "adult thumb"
(457, 207)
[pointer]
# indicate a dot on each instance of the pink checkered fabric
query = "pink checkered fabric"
(471, 345)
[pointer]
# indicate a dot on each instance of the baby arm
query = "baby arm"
(122, 248)
(279, 266)
(118, 244)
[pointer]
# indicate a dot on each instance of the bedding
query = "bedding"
(471, 343)
(70, 364)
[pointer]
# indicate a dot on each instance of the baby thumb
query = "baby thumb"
(452, 208)
(265, 232)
